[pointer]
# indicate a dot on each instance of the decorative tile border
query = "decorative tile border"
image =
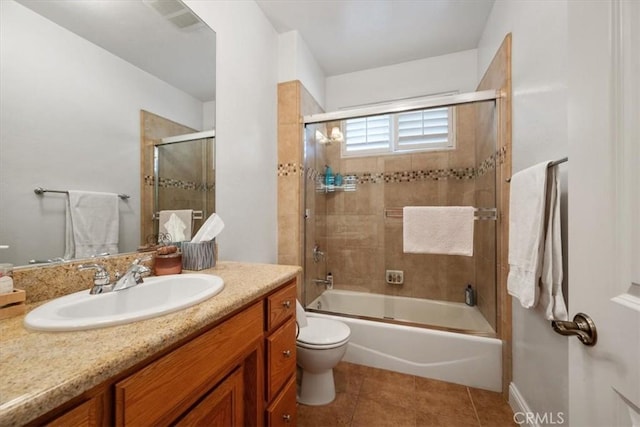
(287, 169)
(180, 184)
(491, 162)
(486, 165)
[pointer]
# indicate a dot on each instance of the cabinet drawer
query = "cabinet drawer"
(282, 411)
(281, 357)
(280, 306)
(160, 392)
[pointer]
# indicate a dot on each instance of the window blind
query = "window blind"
(425, 127)
(368, 134)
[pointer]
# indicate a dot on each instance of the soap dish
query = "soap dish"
(12, 303)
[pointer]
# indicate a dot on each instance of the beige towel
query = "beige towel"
(438, 230)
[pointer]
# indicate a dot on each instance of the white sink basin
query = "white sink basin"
(155, 297)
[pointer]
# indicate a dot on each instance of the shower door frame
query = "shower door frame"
(389, 108)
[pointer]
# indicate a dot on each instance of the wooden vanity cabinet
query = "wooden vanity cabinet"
(179, 387)
(240, 372)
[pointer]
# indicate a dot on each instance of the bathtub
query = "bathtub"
(471, 360)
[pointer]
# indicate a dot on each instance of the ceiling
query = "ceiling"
(139, 34)
(352, 35)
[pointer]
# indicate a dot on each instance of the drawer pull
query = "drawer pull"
(286, 304)
(286, 418)
(286, 353)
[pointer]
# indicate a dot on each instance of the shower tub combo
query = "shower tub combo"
(383, 335)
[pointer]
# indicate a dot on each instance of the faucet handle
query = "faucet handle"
(101, 276)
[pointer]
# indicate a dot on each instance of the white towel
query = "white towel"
(438, 230)
(177, 223)
(534, 240)
(95, 224)
(551, 297)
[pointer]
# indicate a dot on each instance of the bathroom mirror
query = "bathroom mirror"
(76, 76)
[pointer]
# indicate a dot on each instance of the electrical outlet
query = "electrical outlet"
(394, 277)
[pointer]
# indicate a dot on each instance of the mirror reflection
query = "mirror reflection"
(77, 80)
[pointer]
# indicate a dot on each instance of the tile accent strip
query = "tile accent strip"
(177, 183)
(490, 163)
(286, 169)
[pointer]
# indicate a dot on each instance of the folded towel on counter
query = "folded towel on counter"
(534, 240)
(438, 230)
(95, 224)
(176, 223)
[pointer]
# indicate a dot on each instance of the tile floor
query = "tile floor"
(371, 397)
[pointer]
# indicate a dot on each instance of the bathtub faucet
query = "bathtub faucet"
(328, 282)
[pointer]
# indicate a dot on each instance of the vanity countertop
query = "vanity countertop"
(39, 371)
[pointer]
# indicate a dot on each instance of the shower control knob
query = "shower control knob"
(286, 304)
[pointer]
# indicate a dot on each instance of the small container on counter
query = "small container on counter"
(168, 261)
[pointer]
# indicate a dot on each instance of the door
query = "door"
(604, 214)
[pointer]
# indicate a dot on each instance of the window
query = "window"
(392, 133)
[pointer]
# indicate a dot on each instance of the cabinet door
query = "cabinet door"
(282, 411)
(222, 407)
(85, 414)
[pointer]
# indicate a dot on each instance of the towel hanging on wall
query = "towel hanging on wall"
(438, 230)
(535, 250)
(93, 224)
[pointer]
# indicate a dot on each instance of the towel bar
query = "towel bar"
(480, 213)
(550, 165)
(40, 191)
(195, 215)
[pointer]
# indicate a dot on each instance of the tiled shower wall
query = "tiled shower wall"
(361, 243)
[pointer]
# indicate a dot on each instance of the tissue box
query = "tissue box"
(198, 256)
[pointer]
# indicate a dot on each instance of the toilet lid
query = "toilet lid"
(320, 331)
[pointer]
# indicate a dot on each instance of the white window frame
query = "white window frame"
(394, 143)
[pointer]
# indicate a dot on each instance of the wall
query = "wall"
(539, 133)
(70, 119)
(296, 62)
(453, 72)
(246, 150)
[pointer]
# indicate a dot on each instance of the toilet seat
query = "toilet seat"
(323, 333)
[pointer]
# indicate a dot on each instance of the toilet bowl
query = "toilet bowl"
(321, 343)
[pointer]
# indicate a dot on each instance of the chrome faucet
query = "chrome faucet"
(133, 276)
(328, 282)
(102, 282)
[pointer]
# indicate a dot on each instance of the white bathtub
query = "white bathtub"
(474, 361)
(441, 314)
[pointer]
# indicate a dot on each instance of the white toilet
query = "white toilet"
(321, 343)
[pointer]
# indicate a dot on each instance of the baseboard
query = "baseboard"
(519, 406)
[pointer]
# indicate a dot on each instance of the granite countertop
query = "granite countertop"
(39, 371)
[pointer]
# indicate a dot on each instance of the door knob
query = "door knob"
(582, 326)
